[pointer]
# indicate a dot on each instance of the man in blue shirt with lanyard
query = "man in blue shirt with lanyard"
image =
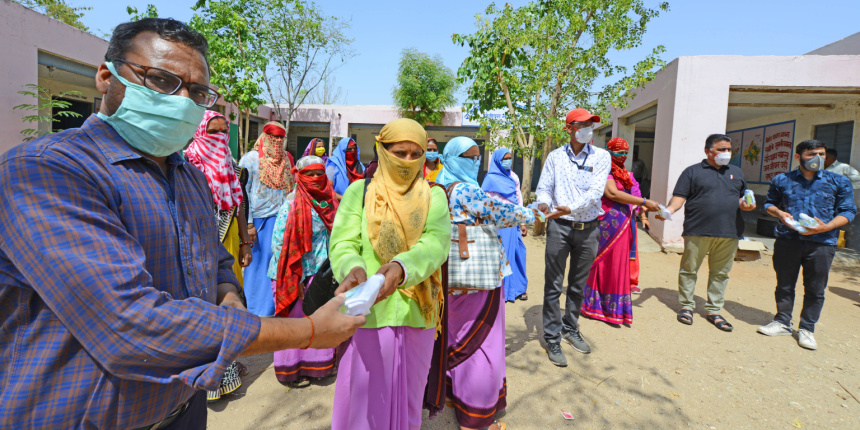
(829, 199)
(572, 183)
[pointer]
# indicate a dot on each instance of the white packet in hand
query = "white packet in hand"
(796, 225)
(360, 299)
(665, 213)
(808, 221)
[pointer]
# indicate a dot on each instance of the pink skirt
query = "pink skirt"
(381, 379)
(293, 364)
(476, 372)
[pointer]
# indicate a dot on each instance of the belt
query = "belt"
(170, 418)
(578, 225)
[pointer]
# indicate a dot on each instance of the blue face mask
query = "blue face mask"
(151, 122)
(508, 163)
(431, 156)
(464, 169)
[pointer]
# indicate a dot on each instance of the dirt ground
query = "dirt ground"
(656, 374)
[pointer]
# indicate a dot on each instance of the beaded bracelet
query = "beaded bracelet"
(312, 332)
(246, 243)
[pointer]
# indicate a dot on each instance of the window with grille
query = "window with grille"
(837, 136)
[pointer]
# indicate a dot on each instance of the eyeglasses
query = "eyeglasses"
(472, 157)
(165, 82)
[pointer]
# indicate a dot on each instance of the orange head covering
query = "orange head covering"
(619, 172)
(275, 165)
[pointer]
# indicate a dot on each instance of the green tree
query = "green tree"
(425, 87)
(232, 29)
(135, 15)
(539, 60)
(44, 109)
(305, 47)
(59, 10)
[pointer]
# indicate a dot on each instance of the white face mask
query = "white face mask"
(723, 158)
(585, 134)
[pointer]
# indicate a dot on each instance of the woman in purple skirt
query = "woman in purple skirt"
(299, 249)
(476, 317)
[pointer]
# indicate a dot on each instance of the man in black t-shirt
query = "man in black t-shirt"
(713, 192)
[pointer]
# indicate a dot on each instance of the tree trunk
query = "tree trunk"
(239, 135)
(247, 125)
(528, 170)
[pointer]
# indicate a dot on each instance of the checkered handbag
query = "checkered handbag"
(480, 267)
(474, 261)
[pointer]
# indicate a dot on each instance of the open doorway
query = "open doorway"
(84, 109)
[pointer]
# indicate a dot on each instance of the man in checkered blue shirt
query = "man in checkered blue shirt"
(118, 304)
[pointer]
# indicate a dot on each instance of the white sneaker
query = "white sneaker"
(775, 328)
(806, 339)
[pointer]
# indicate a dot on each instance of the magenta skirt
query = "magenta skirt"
(381, 379)
(476, 364)
(293, 364)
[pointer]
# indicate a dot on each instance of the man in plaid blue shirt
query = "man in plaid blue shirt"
(118, 305)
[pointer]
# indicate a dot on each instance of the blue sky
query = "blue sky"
(382, 29)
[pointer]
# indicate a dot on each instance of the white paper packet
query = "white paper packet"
(665, 213)
(360, 299)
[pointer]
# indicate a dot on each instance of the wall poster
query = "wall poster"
(778, 141)
(763, 152)
(751, 154)
(737, 137)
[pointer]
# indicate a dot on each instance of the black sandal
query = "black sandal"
(523, 297)
(685, 316)
(720, 322)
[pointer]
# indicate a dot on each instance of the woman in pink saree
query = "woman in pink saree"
(607, 291)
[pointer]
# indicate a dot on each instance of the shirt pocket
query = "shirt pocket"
(825, 200)
(582, 179)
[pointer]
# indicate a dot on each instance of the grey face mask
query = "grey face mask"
(814, 164)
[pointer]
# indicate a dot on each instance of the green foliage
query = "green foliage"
(232, 29)
(542, 59)
(59, 10)
(425, 87)
(45, 102)
(305, 47)
(134, 15)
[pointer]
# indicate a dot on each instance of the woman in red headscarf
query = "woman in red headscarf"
(607, 291)
(299, 248)
(270, 180)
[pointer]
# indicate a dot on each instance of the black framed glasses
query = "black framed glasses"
(165, 82)
(472, 157)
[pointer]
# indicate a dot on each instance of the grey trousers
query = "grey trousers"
(562, 242)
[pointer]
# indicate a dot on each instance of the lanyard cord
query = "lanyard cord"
(570, 154)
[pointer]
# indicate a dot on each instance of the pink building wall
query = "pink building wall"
(24, 33)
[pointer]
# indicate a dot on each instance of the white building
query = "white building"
(767, 104)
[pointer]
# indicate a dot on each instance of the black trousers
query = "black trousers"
(789, 255)
(563, 242)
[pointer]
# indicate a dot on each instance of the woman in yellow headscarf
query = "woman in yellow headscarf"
(397, 226)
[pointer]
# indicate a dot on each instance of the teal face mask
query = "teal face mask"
(151, 122)
(507, 163)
